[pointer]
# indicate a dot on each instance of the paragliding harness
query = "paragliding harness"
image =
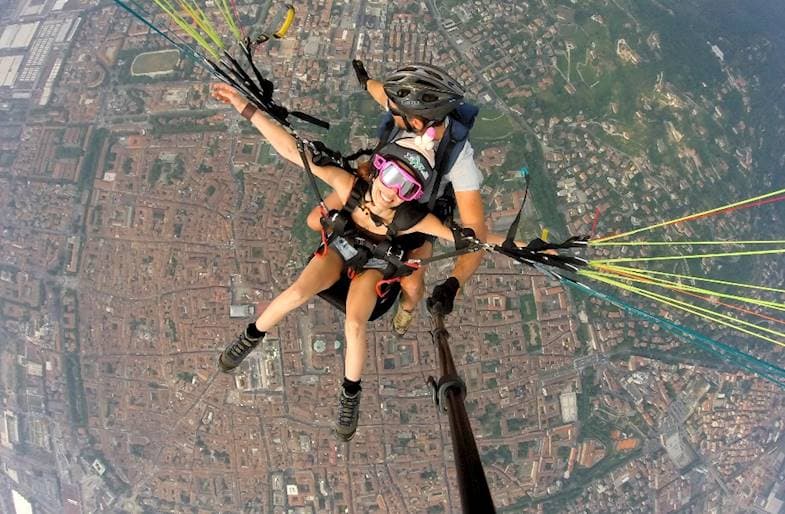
(358, 248)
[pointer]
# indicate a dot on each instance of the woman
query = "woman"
(397, 173)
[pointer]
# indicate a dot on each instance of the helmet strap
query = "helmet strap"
(408, 125)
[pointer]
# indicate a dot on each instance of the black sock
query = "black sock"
(252, 332)
(351, 387)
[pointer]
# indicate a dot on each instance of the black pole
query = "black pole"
(449, 393)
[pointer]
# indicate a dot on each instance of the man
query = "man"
(417, 97)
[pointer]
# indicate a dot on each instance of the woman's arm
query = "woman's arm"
(331, 201)
(283, 142)
(432, 226)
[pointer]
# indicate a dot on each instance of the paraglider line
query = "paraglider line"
(679, 257)
(734, 323)
(701, 340)
(679, 286)
(724, 208)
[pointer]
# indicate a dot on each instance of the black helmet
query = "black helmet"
(424, 90)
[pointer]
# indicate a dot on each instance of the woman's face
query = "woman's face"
(384, 196)
(387, 196)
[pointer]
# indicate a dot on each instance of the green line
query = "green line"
(167, 7)
(679, 257)
(695, 243)
(228, 17)
(203, 21)
(700, 340)
(678, 286)
(702, 279)
(693, 309)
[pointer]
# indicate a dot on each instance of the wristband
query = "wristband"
(248, 111)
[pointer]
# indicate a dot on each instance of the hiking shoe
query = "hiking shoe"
(402, 320)
(234, 354)
(348, 414)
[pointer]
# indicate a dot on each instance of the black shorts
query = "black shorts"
(409, 242)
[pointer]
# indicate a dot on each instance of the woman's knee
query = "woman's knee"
(355, 327)
(314, 220)
(300, 292)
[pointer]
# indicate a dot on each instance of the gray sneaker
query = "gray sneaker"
(234, 354)
(348, 413)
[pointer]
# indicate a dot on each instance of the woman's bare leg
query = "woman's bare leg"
(318, 275)
(360, 303)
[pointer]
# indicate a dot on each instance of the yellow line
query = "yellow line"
(693, 309)
(228, 16)
(696, 243)
(678, 286)
(700, 279)
(167, 7)
(683, 218)
(679, 257)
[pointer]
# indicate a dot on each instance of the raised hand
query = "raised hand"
(361, 73)
(229, 95)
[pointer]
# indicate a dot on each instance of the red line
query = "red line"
(596, 219)
(736, 307)
(738, 207)
(705, 298)
(722, 211)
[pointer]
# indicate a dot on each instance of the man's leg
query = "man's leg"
(412, 290)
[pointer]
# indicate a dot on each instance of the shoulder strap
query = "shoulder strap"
(461, 122)
(359, 189)
(387, 130)
(407, 215)
(442, 154)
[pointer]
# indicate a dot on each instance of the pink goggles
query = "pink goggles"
(395, 177)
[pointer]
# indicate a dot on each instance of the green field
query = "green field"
(491, 124)
(155, 63)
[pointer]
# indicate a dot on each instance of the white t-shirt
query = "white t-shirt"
(464, 174)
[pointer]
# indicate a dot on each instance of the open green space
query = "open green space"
(155, 63)
(491, 124)
(89, 167)
(528, 307)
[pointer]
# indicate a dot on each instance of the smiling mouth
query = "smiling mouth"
(386, 197)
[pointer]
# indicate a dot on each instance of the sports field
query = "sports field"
(155, 63)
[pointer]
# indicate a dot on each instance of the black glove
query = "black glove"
(362, 75)
(443, 296)
(538, 245)
(463, 236)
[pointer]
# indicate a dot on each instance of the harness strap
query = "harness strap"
(442, 154)
(322, 250)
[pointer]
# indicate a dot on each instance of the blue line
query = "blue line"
(703, 341)
(185, 48)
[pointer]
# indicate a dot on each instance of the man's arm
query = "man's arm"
(469, 205)
(472, 215)
(376, 90)
(374, 87)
